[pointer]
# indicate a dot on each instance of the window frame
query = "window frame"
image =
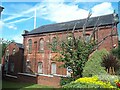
(41, 68)
(53, 69)
(41, 45)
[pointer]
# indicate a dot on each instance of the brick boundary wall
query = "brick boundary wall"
(27, 78)
(46, 80)
(49, 80)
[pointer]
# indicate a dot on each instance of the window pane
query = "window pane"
(41, 45)
(53, 68)
(39, 67)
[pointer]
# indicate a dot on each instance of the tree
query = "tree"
(116, 51)
(3, 45)
(74, 52)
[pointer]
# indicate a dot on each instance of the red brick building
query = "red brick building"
(40, 65)
(40, 57)
(12, 62)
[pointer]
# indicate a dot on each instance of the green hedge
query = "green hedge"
(93, 65)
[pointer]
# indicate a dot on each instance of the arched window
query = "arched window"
(53, 68)
(54, 44)
(39, 67)
(29, 46)
(13, 52)
(41, 45)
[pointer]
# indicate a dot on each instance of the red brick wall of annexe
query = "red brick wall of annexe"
(45, 58)
(17, 59)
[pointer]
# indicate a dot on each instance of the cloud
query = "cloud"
(11, 26)
(20, 20)
(61, 12)
(102, 9)
(18, 38)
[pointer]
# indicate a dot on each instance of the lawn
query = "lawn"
(21, 86)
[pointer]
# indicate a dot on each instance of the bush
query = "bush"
(89, 82)
(110, 61)
(65, 80)
(109, 78)
(93, 65)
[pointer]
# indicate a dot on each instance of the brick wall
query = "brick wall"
(43, 57)
(49, 81)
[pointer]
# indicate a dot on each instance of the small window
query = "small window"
(13, 51)
(41, 45)
(29, 46)
(39, 67)
(11, 67)
(53, 68)
(7, 52)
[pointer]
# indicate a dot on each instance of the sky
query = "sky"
(20, 15)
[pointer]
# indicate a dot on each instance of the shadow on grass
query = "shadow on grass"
(21, 86)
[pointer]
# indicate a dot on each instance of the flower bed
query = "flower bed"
(91, 82)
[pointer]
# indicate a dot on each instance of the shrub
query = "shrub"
(109, 78)
(65, 80)
(110, 61)
(89, 82)
(93, 65)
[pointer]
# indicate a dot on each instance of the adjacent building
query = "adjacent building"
(13, 59)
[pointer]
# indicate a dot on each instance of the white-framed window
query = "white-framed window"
(14, 51)
(41, 45)
(40, 67)
(11, 67)
(53, 68)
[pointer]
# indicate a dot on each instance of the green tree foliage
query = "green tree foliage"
(74, 52)
(3, 45)
(116, 51)
(93, 65)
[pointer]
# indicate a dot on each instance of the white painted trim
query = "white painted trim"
(52, 75)
(11, 76)
(45, 75)
(27, 74)
(60, 75)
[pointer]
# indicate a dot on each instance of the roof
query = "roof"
(20, 45)
(64, 26)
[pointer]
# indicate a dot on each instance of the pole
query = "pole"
(35, 19)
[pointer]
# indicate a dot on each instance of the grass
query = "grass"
(21, 86)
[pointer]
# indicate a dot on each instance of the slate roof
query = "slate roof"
(64, 26)
(20, 45)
